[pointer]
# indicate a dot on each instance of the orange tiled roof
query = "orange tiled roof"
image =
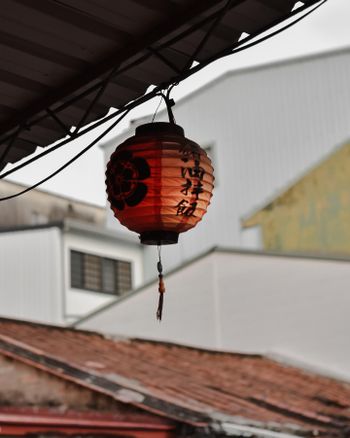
(194, 386)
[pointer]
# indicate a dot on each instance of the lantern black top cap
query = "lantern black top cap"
(165, 128)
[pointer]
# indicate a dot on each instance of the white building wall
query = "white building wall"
(80, 302)
(189, 309)
(267, 126)
(243, 302)
(30, 275)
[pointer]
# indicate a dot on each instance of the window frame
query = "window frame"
(118, 290)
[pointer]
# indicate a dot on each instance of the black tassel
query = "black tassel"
(160, 301)
(161, 288)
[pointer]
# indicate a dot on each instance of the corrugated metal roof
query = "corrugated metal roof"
(190, 385)
(54, 50)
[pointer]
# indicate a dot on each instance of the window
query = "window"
(99, 274)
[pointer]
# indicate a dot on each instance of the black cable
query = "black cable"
(69, 162)
(276, 32)
(104, 120)
(230, 51)
(169, 103)
(155, 92)
(155, 112)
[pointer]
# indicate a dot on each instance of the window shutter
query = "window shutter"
(76, 266)
(92, 272)
(108, 276)
(123, 277)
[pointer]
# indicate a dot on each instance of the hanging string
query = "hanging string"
(169, 104)
(161, 286)
(155, 112)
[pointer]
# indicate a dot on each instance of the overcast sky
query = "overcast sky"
(326, 29)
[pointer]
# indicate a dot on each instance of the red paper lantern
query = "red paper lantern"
(159, 183)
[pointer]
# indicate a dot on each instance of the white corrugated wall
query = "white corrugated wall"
(267, 126)
(31, 275)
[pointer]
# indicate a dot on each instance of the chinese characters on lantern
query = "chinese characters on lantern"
(192, 186)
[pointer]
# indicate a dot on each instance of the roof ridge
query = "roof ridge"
(52, 326)
(200, 349)
(117, 338)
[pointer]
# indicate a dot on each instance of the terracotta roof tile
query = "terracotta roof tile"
(187, 384)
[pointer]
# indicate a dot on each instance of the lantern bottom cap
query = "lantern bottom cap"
(159, 237)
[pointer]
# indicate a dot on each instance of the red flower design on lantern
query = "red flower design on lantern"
(124, 176)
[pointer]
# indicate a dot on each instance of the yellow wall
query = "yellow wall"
(314, 214)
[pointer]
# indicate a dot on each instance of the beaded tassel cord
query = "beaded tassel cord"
(161, 286)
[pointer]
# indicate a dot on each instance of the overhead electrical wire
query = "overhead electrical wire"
(127, 108)
(82, 132)
(266, 37)
(230, 51)
(69, 162)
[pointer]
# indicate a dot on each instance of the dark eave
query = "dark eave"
(64, 63)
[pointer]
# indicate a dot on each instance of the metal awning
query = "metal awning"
(64, 63)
